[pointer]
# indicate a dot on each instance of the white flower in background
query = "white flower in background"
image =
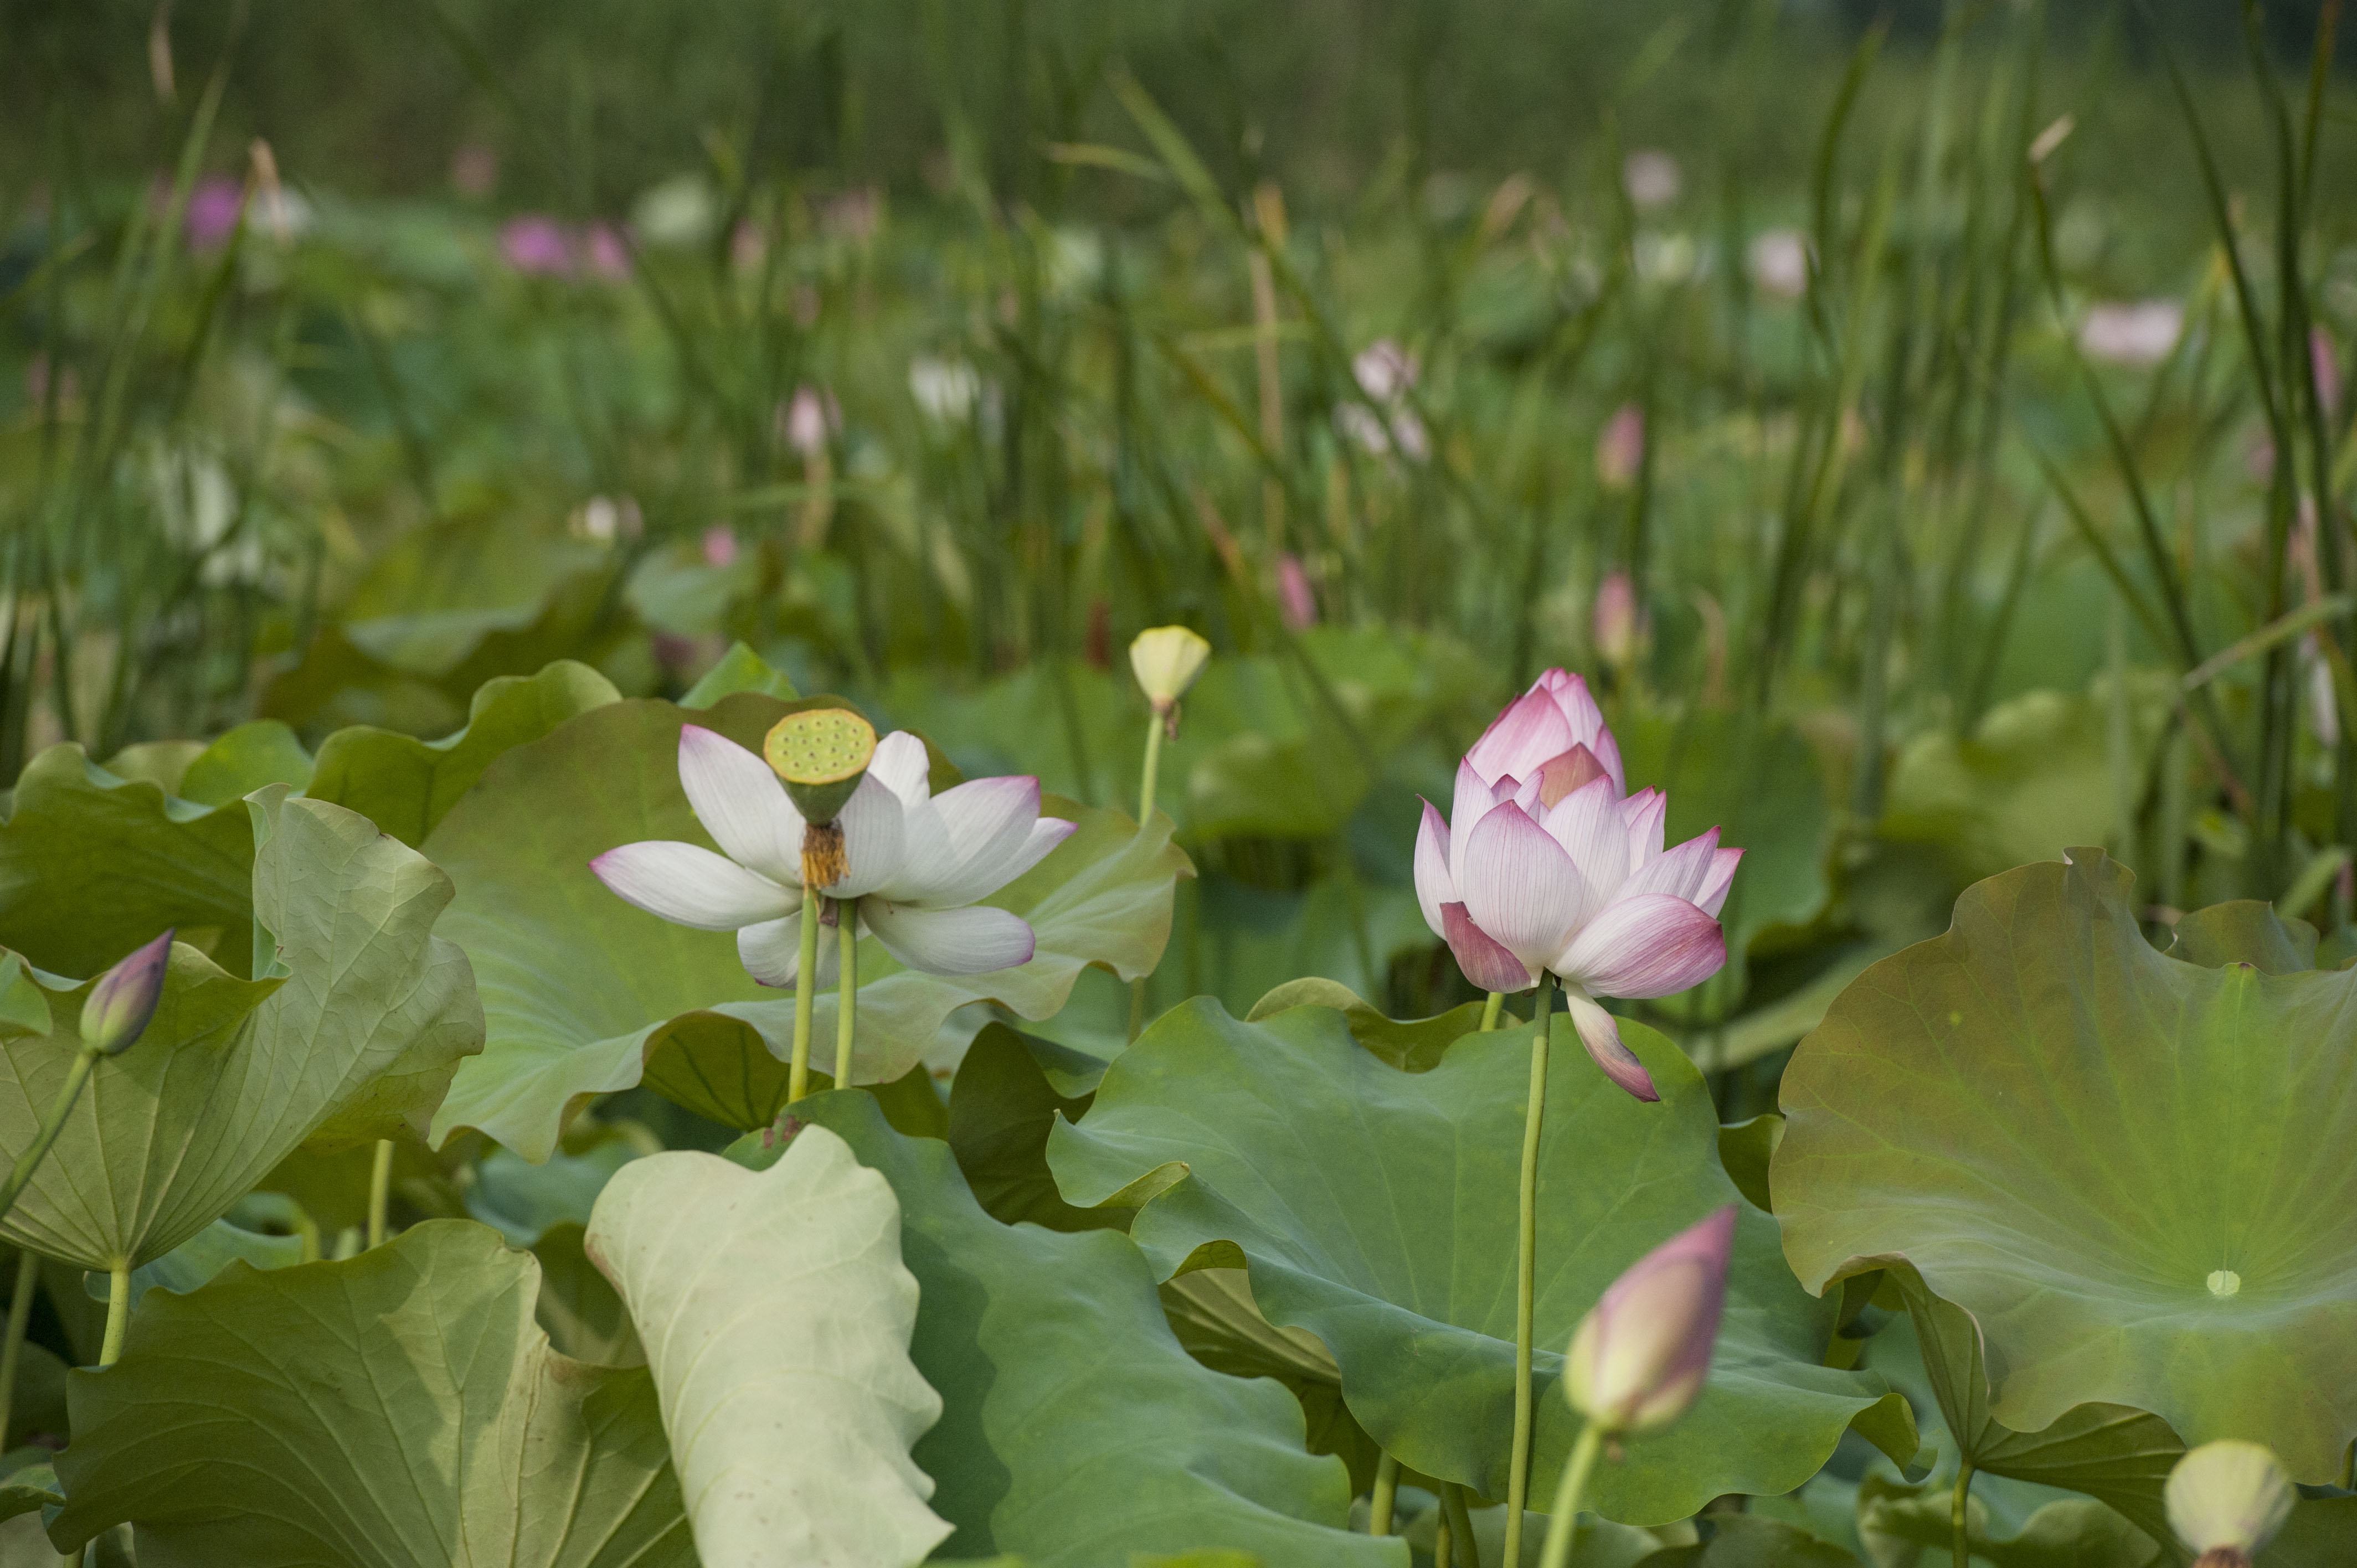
(808, 418)
(2139, 335)
(946, 389)
(602, 520)
(2226, 1500)
(677, 213)
(1385, 372)
(915, 864)
(1651, 177)
(1780, 264)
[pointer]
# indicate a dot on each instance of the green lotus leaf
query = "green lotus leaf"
(29, 1482)
(1377, 1210)
(1905, 1527)
(1738, 1540)
(2126, 1168)
(2245, 930)
(352, 1035)
(395, 1409)
(739, 669)
(1001, 1106)
(522, 1201)
(781, 1290)
(578, 984)
(405, 785)
(1412, 1045)
(93, 865)
(200, 1257)
(431, 603)
(719, 1068)
(1075, 1432)
(579, 1307)
(249, 757)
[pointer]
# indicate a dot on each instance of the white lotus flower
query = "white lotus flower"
(916, 863)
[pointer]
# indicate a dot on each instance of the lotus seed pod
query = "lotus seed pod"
(2226, 1500)
(822, 754)
(125, 998)
(1637, 1360)
(1165, 661)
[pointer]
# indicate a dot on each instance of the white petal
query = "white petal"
(741, 804)
(1651, 945)
(1647, 814)
(1520, 888)
(951, 941)
(875, 839)
(1470, 803)
(1586, 824)
(1681, 872)
(966, 843)
(903, 765)
(771, 952)
(690, 886)
(1713, 894)
(1433, 886)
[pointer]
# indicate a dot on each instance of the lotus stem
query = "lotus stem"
(1518, 1465)
(1443, 1538)
(1146, 781)
(380, 1192)
(1562, 1524)
(51, 1125)
(805, 976)
(12, 1352)
(1490, 1009)
(118, 1312)
(1460, 1526)
(846, 1010)
(1379, 1512)
(1958, 1508)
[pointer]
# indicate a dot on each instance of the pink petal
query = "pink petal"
(1680, 873)
(902, 762)
(1530, 730)
(1587, 826)
(1563, 774)
(771, 952)
(1607, 751)
(690, 886)
(1600, 1032)
(1518, 885)
(875, 839)
(1468, 807)
(1646, 815)
(1712, 896)
(1648, 945)
(1433, 886)
(741, 804)
(1485, 963)
(974, 940)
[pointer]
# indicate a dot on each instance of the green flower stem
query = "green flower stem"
(1526, 1241)
(1562, 1524)
(1460, 1526)
(805, 976)
(1958, 1509)
(1379, 1513)
(846, 1010)
(1145, 782)
(1490, 1010)
(118, 1312)
(51, 1125)
(12, 1352)
(1443, 1538)
(380, 1192)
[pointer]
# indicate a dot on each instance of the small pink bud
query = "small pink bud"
(720, 545)
(808, 419)
(1638, 1359)
(1613, 624)
(1620, 447)
(1294, 595)
(609, 252)
(2326, 368)
(536, 246)
(125, 998)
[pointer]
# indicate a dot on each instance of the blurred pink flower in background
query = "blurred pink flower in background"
(748, 245)
(37, 381)
(2325, 364)
(853, 215)
(720, 545)
(1613, 624)
(1651, 177)
(1296, 600)
(808, 418)
(607, 252)
(1384, 370)
(213, 209)
(2139, 335)
(536, 246)
(1620, 447)
(474, 170)
(1780, 264)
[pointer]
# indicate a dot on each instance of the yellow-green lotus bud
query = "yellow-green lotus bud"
(125, 998)
(1165, 660)
(1638, 1359)
(822, 754)
(2226, 1500)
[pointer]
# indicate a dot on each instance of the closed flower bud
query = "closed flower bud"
(2226, 1500)
(125, 998)
(1165, 660)
(1638, 1359)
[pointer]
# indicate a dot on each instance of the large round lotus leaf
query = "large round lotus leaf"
(398, 1409)
(1075, 1432)
(576, 984)
(2133, 1172)
(1375, 1209)
(351, 1035)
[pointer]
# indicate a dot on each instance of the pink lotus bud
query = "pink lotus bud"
(609, 252)
(213, 209)
(807, 420)
(2226, 1500)
(720, 545)
(1613, 624)
(2326, 366)
(536, 246)
(1638, 1359)
(1299, 603)
(125, 998)
(1620, 448)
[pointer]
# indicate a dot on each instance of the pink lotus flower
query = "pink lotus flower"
(808, 418)
(1295, 597)
(536, 246)
(1620, 447)
(117, 1010)
(608, 251)
(1542, 866)
(213, 209)
(1638, 1359)
(1612, 626)
(915, 864)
